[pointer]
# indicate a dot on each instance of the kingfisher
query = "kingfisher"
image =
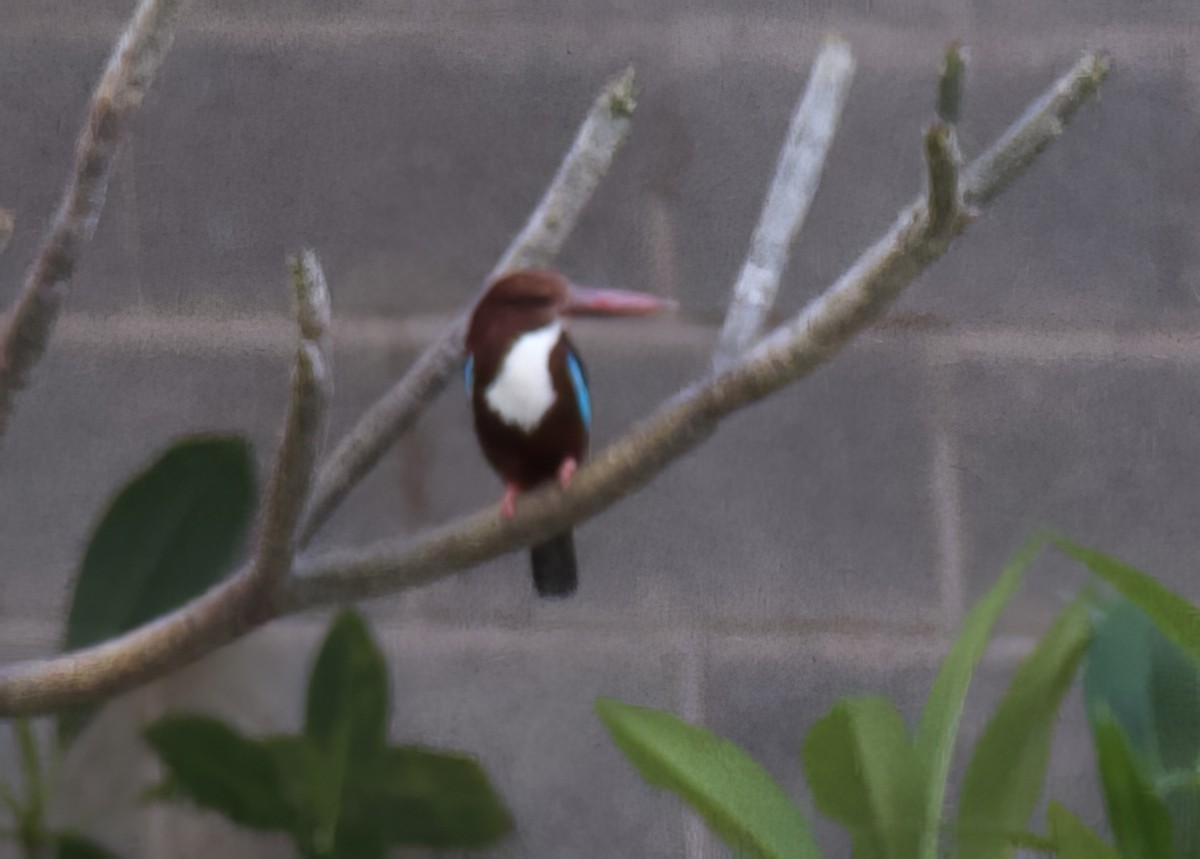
(529, 393)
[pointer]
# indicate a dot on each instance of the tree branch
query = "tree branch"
(791, 351)
(131, 68)
(941, 162)
(797, 175)
(601, 135)
(304, 430)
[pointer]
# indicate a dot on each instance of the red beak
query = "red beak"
(583, 300)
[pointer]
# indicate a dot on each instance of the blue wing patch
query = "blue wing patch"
(469, 375)
(579, 383)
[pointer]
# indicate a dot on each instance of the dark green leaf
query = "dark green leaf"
(1138, 818)
(170, 534)
(1072, 839)
(1008, 765)
(348, 697)
(69, 845)
(1117, 678)
(1178, 619)
(216, 767)
(421, 797)
(938, 730)
(346, 716)
(1149, 684)
(1152, 690)
(736, 797)
(863, 772)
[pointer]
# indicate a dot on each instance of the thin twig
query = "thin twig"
(950, 85)
(855, 300)
(130, 70)
(304, 430)
(797, 175)
(941, 162)
(1042, 122)
(601, 135)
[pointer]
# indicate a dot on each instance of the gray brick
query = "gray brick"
(411, 160)
(1112, 13)
(814, 505)
(1101, 451)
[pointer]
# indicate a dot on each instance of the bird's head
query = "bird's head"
(530, 299)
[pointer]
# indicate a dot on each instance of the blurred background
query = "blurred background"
(824, 543)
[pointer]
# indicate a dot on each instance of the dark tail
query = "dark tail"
(554, 570)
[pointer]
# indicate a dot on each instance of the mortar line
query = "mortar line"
(274, 334)
(946, 490)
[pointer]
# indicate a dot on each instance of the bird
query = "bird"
(529, 393)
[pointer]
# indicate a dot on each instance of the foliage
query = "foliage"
(338, 789)
(1141, 679)
(169, 534)
(734, 795)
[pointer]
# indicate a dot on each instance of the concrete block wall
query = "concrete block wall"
(824, 543)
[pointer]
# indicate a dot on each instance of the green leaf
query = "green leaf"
(1072, 839)
(1008, 765)
(346, 715)
(422, 797)
(737, 798)
(216, 767)
(170, 534)
(1147, 682)
(70, 845)
(863, 772)
(1138, 818)
(938, 730)
(1150, 687)
(348, 698)
(1177, 618)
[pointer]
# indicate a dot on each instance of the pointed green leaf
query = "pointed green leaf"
(71, 845)
(216, 767)
(346, 716)
(348, 698)
(1177, 618)
(171, 533)
(1148, 684)
(1008, 765)
(1138, 818)
(425, 798)
(1072, 839)
(737, 798)
(1146, 681)
(1117, 678)
(938, 730)
(863, 772)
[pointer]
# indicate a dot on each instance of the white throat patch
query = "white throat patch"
(523, 391)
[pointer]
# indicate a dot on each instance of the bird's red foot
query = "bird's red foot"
(508, 504)
(566, 471)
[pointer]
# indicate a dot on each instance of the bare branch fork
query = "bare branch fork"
(922, 232)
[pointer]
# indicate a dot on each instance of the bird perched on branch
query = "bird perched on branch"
(529, 393)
